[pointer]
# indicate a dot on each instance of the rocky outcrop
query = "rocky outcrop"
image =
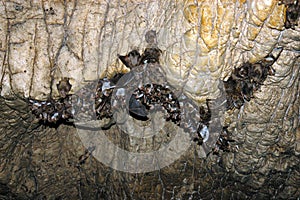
(202, 42)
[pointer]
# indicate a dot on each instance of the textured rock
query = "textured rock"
(202, 42)
(80, 40)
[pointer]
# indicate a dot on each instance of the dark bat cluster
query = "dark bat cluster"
(67, 106)
(202, 130)
(146, 97)
(94, 100)
(53, 111)
(143, 100)
(224, 141)
(103, 96)
(247, 79)
(292, 12)
(134, 59)
(239, 88)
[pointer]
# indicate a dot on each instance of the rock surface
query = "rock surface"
(202, 42)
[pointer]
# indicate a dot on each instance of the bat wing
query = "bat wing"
(137, 110)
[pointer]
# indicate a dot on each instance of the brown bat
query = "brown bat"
(64, 87)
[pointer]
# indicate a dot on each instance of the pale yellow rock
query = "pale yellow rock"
(262, 9)
(208, 29)
(199, 39)
(252, 32)
(191, 14)
(277, 18)
(205, 17)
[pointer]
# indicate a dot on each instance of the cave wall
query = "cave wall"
(201, 42)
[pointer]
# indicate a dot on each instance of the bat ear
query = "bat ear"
(125, 60)
(132, 59)
(137, 110)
